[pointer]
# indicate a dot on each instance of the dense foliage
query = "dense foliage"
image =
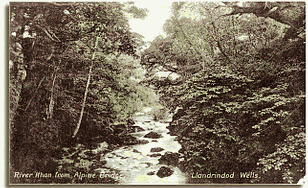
(239, 96)
(71, 61)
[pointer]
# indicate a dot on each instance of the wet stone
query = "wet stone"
(151, 173)
(155, 155)
(148, 164)
(136, 151)
(130, 140)
(157, 149)
(117, 155)
(153, 135)
(169, 158)
(164, 172)
(143, 141)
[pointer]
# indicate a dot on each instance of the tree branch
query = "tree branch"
(48, 34)
(86, 91)
(263, 9)
(39, 85)
(219, 45)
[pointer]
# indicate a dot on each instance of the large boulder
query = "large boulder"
(164, 172)
(157, 149)
(153, 135)
(169, 158)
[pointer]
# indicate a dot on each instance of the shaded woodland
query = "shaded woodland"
(238, 103)
(77, 74)
(74, 77)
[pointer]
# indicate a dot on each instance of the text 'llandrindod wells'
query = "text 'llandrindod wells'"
(225, 175)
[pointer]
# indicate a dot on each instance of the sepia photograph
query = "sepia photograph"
(156, 93)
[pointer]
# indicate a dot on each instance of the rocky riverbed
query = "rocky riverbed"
(147, 163)
(148, 155)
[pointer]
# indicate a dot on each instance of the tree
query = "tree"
(241, 83)
(279, 11)
(57, 78)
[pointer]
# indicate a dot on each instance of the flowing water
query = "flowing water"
(134, 162)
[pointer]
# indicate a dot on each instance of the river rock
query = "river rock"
(143, 141)
(130, 140)
(119, 128)
(164, 172)
(155, 155)
(153, 135)
(148, 164)
(134, 129)
(151, 173)
(157, 149)
(136, 151)
(169, 158)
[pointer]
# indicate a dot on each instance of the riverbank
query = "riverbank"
(135, 161)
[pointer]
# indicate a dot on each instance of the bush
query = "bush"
(159, 114)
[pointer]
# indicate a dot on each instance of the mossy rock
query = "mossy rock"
(157, 149)
(154, 135)
(164, 171)
(169, 158)
(143, 141)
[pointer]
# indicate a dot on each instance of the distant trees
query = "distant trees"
(239, 101)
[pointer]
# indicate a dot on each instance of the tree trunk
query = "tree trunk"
(86, 92)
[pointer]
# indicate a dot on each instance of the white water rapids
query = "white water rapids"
(135, 163)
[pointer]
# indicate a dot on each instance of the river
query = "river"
(135, 163)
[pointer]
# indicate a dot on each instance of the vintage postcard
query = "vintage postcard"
(157, 93)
